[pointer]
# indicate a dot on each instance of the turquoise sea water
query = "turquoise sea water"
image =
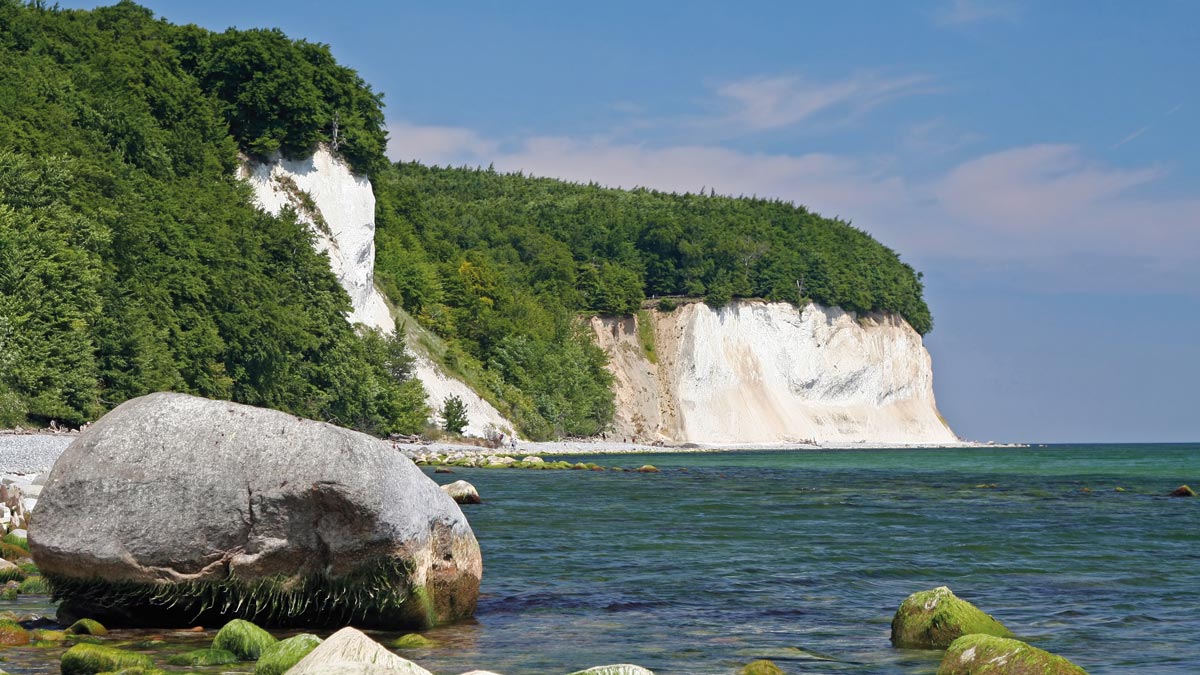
(803, 557)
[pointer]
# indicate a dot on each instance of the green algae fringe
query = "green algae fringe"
(381, 590)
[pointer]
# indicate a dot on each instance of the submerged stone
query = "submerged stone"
(279, 657)
(412, 641)
(761, 667)
(173, 509)
(204, 657)
(87, 659)
(1183, 491)
(933, 619)
(244, 639)
(990, 655)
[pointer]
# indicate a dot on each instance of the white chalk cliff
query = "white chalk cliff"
(339, 207)
(757, 372)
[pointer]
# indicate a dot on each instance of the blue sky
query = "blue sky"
(1040, 162)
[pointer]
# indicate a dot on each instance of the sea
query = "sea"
(802, 557)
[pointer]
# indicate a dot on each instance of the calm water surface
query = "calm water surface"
(802, 557)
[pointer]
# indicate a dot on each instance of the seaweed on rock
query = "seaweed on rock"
(204, 657)
(243, 639)
(281, 656)
(380, 591)
(35, 585)
(87, 659)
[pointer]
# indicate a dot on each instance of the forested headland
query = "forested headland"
(132, 260)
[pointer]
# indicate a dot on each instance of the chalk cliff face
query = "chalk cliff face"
(339, 208)
(756, 372)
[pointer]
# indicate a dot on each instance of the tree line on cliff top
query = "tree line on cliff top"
(132, 260)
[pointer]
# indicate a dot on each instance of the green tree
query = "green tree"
(454, 415)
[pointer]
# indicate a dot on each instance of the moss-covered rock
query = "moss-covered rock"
(244, 639)
(8, 594)
(761, 667)
(44, 635)
(34, 586)
(85, 659)
(14, 539)
(647, 468)
(412, 641)
(933, 619)
(9, 571)
(1183, 491)
(12, 634)
(281, 656)
(204, 657)
(990, 655)
(88, 627)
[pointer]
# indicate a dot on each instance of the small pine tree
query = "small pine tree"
(454, 415)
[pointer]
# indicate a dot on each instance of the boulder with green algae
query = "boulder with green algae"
(282, 655)
(1183, 491)
(310, 524)
(412, 641)
(35, 585)
(761, 667)
(204, 657)
(44, 635)
(88, 627)
(615, 669)
(933, 619)
(12, 634)
(86, 659)
(991, 655)
(244, 639)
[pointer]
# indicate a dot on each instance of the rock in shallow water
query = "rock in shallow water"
(933, 619)
(462, 492)
(350, 651)
(989, 655)
(173, 507)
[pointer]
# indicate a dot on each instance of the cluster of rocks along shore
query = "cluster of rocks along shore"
(480, 460)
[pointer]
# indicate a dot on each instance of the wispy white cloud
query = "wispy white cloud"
(1034, 187)
(761, 103)
(967, 12)
(411, 141)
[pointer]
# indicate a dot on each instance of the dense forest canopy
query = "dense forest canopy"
(500, 265)
(132, 260)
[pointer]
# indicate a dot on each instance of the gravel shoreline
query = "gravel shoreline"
(36, 453)
(24, 454)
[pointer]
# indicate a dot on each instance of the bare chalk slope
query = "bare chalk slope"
(758, 372)
(339, 208)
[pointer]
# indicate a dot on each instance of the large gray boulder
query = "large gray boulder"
(173, 509)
